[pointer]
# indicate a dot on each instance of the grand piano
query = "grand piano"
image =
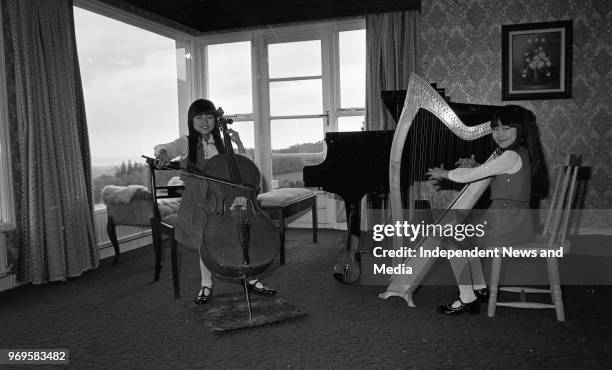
(357, 163)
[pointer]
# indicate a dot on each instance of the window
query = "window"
(230, 87)
(296, 109)
(285, 88)
(351, 115)
(136, 88)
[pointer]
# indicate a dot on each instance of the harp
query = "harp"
(429, 131)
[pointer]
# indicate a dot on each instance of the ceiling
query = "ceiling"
(215, 15)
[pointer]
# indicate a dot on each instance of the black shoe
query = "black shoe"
(264, 290)
(203, 295)
(482, 295)
(472, 308)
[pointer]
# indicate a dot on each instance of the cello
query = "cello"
(238, 239)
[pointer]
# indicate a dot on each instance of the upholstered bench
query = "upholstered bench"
(131, 205)
(286, 202)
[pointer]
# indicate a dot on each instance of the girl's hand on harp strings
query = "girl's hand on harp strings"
(437, 173)
(467, 162)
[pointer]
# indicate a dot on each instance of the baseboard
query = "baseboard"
(8, 282)
(107, 251)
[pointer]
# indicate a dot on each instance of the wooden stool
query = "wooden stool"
(286, 202)
(132, 205)
(125, 206)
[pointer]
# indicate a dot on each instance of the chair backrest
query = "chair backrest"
(158, 180)
(558, 215)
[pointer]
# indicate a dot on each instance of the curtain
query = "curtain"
(392, 53)
(51, 164)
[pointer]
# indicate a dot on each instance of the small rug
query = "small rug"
(229, 312)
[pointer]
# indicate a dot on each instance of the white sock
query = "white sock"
(466, 293)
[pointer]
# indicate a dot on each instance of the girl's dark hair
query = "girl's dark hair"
(527, 136)
(197, 108)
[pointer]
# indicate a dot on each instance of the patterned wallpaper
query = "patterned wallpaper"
(461, 51)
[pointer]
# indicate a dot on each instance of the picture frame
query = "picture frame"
(537, 60)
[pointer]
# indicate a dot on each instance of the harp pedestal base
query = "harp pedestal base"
(403, 295)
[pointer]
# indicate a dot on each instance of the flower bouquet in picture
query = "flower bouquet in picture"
(537, 66)
(537, 60)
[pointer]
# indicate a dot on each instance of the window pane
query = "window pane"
(294, 59)
(352, 69)
(229, 77)
(289, 98)
(287, 172)
(297, 135)
(351, 123)
(246, 131)
(131, 85)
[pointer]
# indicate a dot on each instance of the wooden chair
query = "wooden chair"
(166, 199)
(552, 237)
(286, 202)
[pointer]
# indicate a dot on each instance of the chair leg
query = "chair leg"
(555, 287)
(494, 285)
(175, 272)
(157, 247)
(315, 222)
(112, 235)
(281, 228)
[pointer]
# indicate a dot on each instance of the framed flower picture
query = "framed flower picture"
(537, 61)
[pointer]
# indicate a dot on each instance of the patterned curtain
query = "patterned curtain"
(55, 232)
(392, 53)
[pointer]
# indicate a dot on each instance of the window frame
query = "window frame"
(297, 34)
(185, 96)
(134, 20)
(339, 111)
(328, 33)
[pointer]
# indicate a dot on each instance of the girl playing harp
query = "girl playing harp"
(508, 218)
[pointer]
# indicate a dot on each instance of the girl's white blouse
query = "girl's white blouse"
(180, 148)
(508, 162)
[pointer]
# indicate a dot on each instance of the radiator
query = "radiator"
(123, 232)
(4, 270)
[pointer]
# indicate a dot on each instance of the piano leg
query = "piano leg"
(348, 267)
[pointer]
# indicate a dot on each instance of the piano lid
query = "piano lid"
(470, 114)
(356, 163)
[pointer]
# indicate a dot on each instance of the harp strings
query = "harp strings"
(430, 141)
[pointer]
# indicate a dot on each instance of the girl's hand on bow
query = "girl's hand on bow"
(162, 159)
